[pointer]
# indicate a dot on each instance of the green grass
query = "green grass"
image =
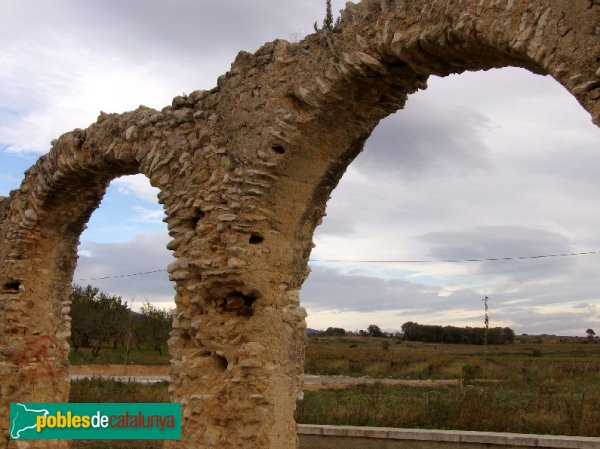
(376, 357)
(521, 405)
(537, 387)
(485, 408)
(106, 390)
(360, 356)
(107, 355)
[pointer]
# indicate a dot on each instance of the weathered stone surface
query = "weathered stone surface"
(244, 172)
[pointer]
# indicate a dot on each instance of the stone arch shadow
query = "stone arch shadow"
(245, 171)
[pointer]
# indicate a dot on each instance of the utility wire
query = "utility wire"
(491, 259)
(121, 275)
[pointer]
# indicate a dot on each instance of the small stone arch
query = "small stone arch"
(41, 225)
(245, 171)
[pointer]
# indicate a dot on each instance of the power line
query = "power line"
(121, 275)
(491, 259)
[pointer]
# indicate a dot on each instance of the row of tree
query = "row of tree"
(99, 319)
(372, 331)
(434, 334)
(452, 334)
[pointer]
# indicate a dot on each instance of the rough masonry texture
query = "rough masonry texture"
(244, 172)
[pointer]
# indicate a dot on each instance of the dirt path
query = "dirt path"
(314, 382)
(120, 370)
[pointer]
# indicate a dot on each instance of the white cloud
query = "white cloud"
(75, 85)
(502, 150)
(8, 178)
(139, 255)
(148, 215)
(64, 62)
(477, 166)
(137, 185)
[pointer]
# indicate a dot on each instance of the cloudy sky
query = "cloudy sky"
(482, 165)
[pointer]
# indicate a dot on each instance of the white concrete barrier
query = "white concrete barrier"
(349, 437)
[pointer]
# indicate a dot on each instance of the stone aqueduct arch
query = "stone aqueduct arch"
(244, 172)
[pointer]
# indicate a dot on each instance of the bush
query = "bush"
(469, 371)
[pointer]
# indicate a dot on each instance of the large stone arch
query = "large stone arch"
(245, 171)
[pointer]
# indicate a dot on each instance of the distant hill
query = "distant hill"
(134, 314)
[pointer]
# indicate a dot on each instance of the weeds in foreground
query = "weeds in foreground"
(530, 402)
(106, 390)
(484, 408)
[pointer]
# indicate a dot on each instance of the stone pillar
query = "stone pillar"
(34, 327)
(238, 338)
(238, 367)
(39, 233)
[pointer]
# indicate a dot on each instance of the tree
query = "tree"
(96, 317)
(591, 334)
(335, 332)
(509, 335)
(328, 21)
(129, 335)
(374, 331)
(451, 334)
(154, 326)
(328, 24)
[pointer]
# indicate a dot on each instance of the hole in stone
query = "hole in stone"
(255, 239)
(221, 362)
(278, 149)
(12, 287)
(239, 303)
(196, 217)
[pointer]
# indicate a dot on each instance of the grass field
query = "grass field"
(548, 388)
(514, 408)
(107, 355)
(382, 358)
(551, 388)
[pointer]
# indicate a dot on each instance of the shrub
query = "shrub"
(469, 371)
